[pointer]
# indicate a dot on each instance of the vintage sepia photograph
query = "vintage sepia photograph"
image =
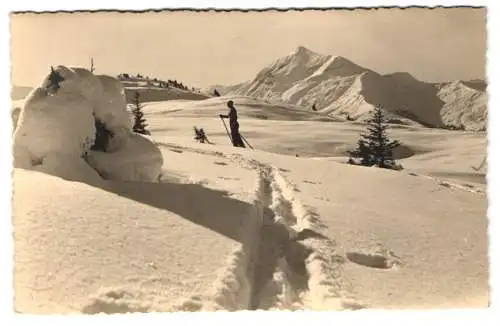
(231, 160)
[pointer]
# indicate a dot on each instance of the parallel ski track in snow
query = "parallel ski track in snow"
(285, 263)
(449, 184)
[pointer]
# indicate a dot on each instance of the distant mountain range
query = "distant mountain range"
(340, 88)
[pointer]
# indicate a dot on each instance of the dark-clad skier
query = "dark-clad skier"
(234, 125)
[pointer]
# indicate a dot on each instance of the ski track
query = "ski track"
(451, 185)
(285, 262)
(240, 160)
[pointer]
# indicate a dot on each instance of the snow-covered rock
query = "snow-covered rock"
(112, 111)
(55, 130)
(112, 108)
(53, 124)
(85, 83)
(138, 159)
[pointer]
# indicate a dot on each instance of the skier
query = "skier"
(234, 125)
(200, 135)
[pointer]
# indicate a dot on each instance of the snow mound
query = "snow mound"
(53, 126)
(138, 159)
(55, 129)
(112, 106)
(117, 248)
(111, 109)
(112, 301)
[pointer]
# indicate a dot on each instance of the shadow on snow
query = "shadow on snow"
(213, 209)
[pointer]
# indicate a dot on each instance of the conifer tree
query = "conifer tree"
(139, 120)
(54, 80)
(375, 147)
(102, 136)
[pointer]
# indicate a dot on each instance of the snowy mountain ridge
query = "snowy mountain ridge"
(341, 88)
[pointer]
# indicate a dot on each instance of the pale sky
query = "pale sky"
(202, 49)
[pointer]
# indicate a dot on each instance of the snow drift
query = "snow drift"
(84, 249)
(55, 128)
(339, 87)
(137, 159)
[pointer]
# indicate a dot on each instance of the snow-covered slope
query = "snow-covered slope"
(118, 249)
(155, 94)
(236, 229)
(151, 92)
(194, 241)
(222, 89)
(473, 104)
(247, 108)
(339, 87)
(287, 130)
(272, 81)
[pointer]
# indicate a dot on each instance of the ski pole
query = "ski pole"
(246, 141)
(227, 131)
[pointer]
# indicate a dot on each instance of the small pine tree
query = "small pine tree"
(139, 120)
(362, 152)
(102, 136)
(375, 148)
(55, 80)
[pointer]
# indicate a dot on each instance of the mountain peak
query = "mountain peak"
(342, 60)
(303, 50)
(338, 66)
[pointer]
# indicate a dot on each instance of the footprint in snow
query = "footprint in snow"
(376, 260)
(444, 184)
(228, 178)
